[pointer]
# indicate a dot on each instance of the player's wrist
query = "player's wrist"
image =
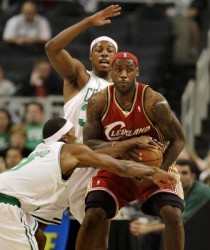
(89, 21)
(112, 143)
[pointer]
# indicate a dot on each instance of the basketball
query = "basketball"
(150, 156)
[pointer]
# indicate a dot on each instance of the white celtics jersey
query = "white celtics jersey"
(37, 180)
(75, 109)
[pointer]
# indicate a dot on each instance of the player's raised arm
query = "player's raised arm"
(69, 68)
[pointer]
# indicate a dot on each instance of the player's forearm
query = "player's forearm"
(114, 148)
(121, 167)
(171, 153)
(66, 36)
(96, 144)
(134, 169)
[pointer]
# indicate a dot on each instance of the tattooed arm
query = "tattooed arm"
(93, 131)
(160, 113)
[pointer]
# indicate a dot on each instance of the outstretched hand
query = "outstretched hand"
(160, 177)
(102, 17)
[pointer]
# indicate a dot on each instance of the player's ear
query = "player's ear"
(64, 138)
(137, 71)
(90, 56)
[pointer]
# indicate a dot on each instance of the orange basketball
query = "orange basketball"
(151, 157)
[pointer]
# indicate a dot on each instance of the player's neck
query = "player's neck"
(104, 75)
(125, 100)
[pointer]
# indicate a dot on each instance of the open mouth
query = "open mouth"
(104, 62)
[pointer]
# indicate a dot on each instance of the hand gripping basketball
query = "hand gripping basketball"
(147, 154)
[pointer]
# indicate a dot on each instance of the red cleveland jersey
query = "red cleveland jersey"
(121, 125)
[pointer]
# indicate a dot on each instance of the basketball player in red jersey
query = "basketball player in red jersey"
(79, 85)
(121, 111)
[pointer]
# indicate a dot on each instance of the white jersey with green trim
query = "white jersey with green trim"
(75, 108)
(37, 180)
(74, 195)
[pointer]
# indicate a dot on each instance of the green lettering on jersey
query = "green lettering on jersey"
(81, 122)
(89, 93)
(24, 162)
(30, 158)
(40, 153)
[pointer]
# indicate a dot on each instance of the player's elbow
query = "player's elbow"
(50, 47)
(182, 142)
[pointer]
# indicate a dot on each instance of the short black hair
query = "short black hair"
(192, 166)
(52, 126)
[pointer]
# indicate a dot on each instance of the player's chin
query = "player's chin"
(104, 67)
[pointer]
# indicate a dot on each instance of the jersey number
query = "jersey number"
(81, 121)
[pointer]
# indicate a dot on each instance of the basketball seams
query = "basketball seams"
(150, 156)
(156, 159)
(155, 163)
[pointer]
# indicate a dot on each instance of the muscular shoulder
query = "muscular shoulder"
(98, 102)
(100, 96)
(155, 104)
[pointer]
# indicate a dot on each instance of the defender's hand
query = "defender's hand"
(102, 17)
(159, 178)
(145, 142)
